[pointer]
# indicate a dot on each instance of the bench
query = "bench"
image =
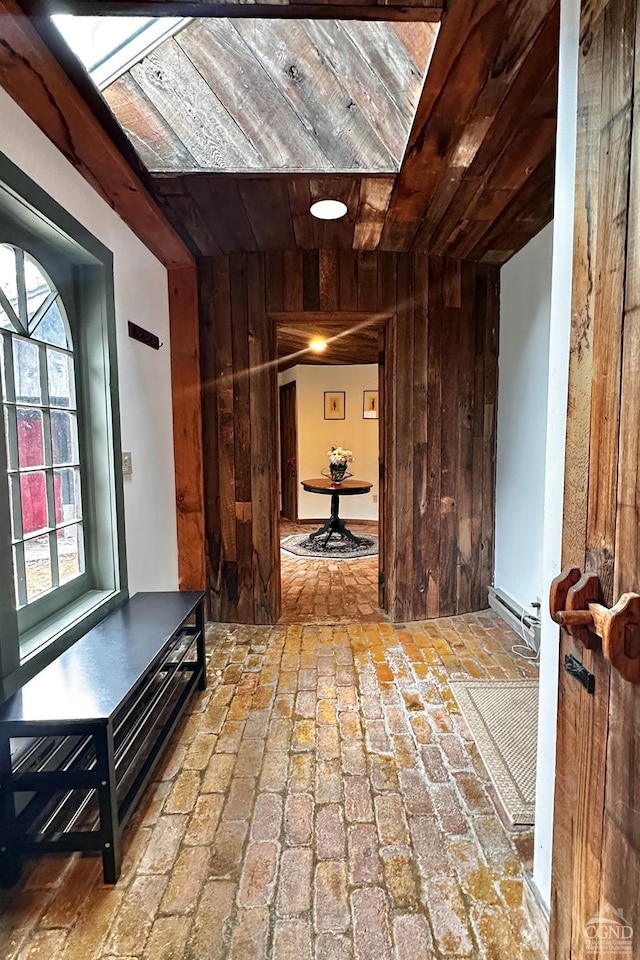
(79, 742)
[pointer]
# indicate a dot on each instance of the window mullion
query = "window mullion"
(23, 314)
(21, 573)
(10, 312)
(16, 507)
(9, 377)
(48, 463)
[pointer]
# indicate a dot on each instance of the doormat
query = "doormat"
(337, 549)
(503, 718)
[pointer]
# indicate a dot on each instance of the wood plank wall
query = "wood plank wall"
(596, 857)
(441, 380)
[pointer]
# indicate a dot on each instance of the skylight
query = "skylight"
(108, 46)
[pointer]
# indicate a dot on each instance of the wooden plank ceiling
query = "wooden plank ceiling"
(275, 95)
(475, 181)
(351, 337)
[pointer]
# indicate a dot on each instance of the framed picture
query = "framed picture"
(334, 405)
(370, 405)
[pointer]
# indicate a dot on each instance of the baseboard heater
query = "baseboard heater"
(524, 623)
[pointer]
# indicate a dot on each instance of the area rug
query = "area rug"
(503, 718)
(337, 549)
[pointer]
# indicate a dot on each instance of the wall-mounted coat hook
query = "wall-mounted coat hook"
(575, 603)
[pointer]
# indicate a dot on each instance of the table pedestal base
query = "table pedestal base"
(334, 525)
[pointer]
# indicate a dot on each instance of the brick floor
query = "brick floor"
(329, 591)
(322, 801)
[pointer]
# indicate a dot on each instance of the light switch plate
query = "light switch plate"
(127, 464)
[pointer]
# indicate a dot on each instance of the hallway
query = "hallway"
(322, 801)
(318, 590)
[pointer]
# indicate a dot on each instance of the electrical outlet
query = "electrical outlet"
(127, 464)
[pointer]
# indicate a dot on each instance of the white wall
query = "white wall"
(525, 304)
(556, 429)
(144, 374)
(316, 435)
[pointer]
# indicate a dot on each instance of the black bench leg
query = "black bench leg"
(202, 659)
(10, 863)
(109, 827)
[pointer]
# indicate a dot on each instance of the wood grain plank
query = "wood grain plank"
(329, 293)
(401, 605)
(266, 204)
(187, 426)
(292, 268)
(375, 195)
(348, 289)
(368, 281)
(420, 436)
(220, 55)
(311, 280)
(463, 289)
(450, 319)
(224, 587)
(154, 139)
(196, 115)
(613, 201)
(489, 302)
(311, 86)
(210, 436)
(263, 451)
(242, 430)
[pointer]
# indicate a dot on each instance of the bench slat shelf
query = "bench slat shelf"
(79, 742)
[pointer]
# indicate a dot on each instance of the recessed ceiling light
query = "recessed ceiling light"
(328, 209)
(317, 345)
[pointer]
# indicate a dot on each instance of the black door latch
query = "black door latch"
(580, 672)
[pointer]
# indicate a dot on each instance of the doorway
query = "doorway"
(338, 401)
(288, 451)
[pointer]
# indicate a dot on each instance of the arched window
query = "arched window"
(42, 435)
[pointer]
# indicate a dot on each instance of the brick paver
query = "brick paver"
(322, 801)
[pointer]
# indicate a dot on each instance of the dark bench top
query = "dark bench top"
(90, 680)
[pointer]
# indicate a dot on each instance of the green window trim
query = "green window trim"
(81, 271)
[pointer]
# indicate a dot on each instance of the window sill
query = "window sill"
(42, 644)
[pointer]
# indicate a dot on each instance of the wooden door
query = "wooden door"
(596, 857)
(289, 451)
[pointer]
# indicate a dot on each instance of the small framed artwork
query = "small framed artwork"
(370, 405)
(334, 405)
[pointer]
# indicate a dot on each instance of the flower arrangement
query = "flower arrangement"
(338, 460)
(340, 455)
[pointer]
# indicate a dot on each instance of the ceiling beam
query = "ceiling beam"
(33, 77)
(429, 10)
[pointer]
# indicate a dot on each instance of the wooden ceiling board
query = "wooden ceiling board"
(240, 213)
(290, 96)
(410, 10)
(418, 43)
(306, 78)
(494, 178)
(189, 105)
(217, 50)
(482, 47)
(151, 136)
(387, 114)
(266, 203)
